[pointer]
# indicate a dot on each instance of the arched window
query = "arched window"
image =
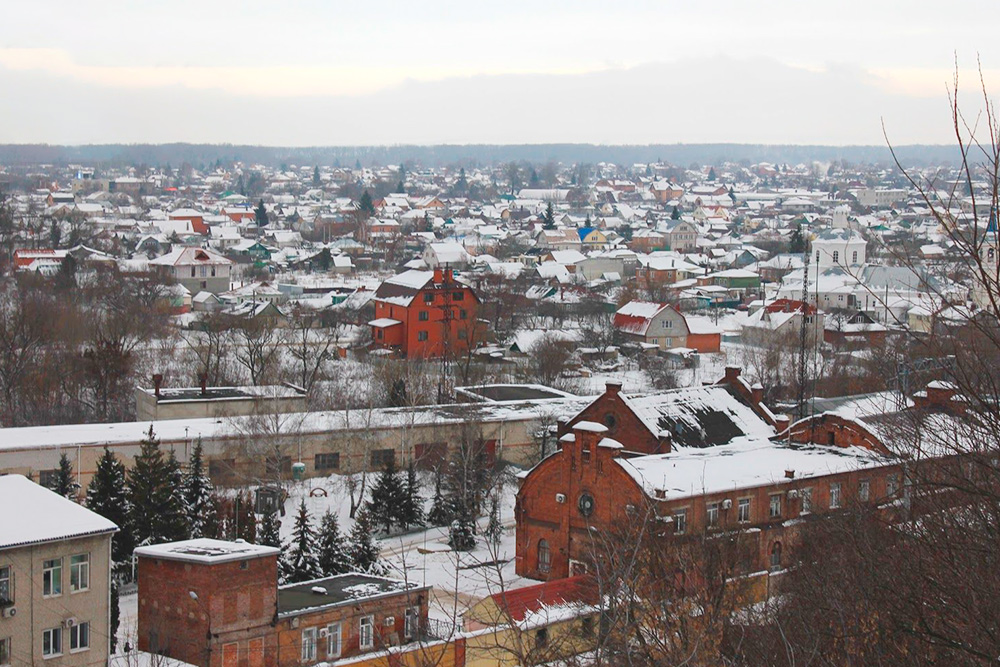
(776, 556)
(544, 556)
(836, 256)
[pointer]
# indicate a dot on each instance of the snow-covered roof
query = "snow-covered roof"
(34, 514)
(206, 551)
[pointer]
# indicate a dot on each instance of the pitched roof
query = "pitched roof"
(42, 515)
(520, 602)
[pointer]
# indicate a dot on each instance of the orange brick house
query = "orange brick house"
(699, 458)
(216, 603)
(426, 314)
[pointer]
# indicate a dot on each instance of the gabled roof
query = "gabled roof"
(42, 515)
(187, 256)
(515, 605)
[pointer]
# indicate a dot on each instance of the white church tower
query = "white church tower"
(840, 246)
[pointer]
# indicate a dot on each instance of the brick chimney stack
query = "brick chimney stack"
(157, 382)
(612, 387)
(438, 276)
(732, 372)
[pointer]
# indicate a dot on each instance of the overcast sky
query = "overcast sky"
(326, 72)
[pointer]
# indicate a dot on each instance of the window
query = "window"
(892, 484)
(213, 271)
(428, 297)
(458, 296)
(463, 314)
(309, 644)
(366, 635)
(6, 587)
(776, 556)
(774, 509)
(743, 514)
(668, 324)
(333, 640)
(854, 257)
(79, 637)
(423, 316)
(52, 642)
(329, 461)
(541, 637)
(587, 626)
(463, 334)
(834, 495)
(421, 335)
(410, 618)
(5, 651)
(864, 489)
(544, 556)
(47, 478)
(680, 521)
(79, 573)
(204, 271)
(192, 272)
(807, 500)
(712, 515)
(52, 577)
(836, 256)
(380, 458)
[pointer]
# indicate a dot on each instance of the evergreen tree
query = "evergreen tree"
(65, 481)
(397, 394)
(154, 507)
(366, 205)
(300, 559)
(316, 179)
(440, 514)
(260, 214)
(334, 553)
(462, 533)
(549, 218)
(533, 180)
(55, 234)
(411, 512)
(386, 499)
(197, 492)
(400, 188)
(711, 173)
(269, 529)
(177, 519)
(797, 244)
(364, 549)
(115, 615)
(107, 496)
(675, 214)
(494, 529)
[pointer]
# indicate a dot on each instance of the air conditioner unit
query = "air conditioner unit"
(560, 497)
(389, 621)
(8, 612)
(793, 494)
(70, 622)
(323, 632)
(727, 504)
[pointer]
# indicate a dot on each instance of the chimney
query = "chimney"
(757, 392)
(612, 387)
(732, 372)
(438, 276)
(449, 275)
(157, 381)
(781, 423)
(203, 380)
(789, 474)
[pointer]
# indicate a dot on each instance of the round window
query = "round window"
(609, 420)
(586, 504)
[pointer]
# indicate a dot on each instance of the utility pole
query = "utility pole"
(802, 336)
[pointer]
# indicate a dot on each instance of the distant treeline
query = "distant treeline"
(466, 155)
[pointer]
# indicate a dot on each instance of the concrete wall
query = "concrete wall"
(36, 614)
(148, 408)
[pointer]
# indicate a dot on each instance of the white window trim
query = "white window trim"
(76, 629)
(739, 505)
(85, 565)
(370, 644)
(58, 568)
(333, 632)
(312, 634)
(55, 632)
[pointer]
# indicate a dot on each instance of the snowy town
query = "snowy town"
(533, 334)
(350, 415)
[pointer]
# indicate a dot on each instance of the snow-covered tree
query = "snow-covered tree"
(65, 482)
(268, 529)
(441, 513)
(386, 499)
(494, 529)
(153, 504)
(334, 553)
(177, 511)
(411, 510)
(462, 533)
(364, 549)
(197, 492)
(107, 496)
(301, 561)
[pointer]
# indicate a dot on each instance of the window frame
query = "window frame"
(774, 506)
(836, 497)
(543, 548)
(52, 578)
(775, 555)
(864, 490)
(805, 498)
(422, 336)
(712, 514)
(892, 484)
(680, 516)
(54, 637)
(370, 643)
(327, 461)
(7, 582)
(411, 616)
(740, 504)
(76, 569)
(307, 649)
(6, 649)
(330, 636)
(75, 633)
(423, 316)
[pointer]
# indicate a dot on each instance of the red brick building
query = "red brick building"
(215, 603)
(426, 314)
(700, 458)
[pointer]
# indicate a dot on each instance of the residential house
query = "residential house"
(426, 314)
(445, 254)
(55, 578)
(682, 235)
(197, 269)
(653, 324)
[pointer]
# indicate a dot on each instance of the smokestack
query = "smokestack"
(157, 381)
